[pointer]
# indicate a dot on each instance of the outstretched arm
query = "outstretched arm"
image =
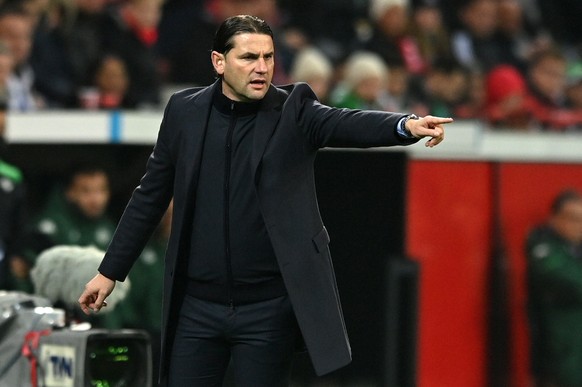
(428, 126)
(95, 293)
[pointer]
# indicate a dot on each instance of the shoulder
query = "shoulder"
(289, 97)
(190, 94)
(296, 90)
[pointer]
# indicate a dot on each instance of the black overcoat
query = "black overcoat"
(291, 126)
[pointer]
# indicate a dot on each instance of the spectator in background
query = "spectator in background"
(13, 268)
(363, 81)
(314, 68)
(547, 77)
(429, 31)
(395, 96)
(511, 104)
(476, 44)
(554, 284)
(16, 29)
(390, 38)
(547, 85)
(75, 214)
(473, 106)
(507, 99)
(514, 35)
(443, 90)
(130, 32)
(84, 40)
(111, 82)
(50, 59)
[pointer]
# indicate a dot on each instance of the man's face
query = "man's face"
(568, 222)
(90, 193)
(112, 76)
(549, 77)
(247, 69)
(16, 31)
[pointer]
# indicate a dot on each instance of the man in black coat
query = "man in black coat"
(248, 272)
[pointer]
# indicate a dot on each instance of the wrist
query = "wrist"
(405, 124)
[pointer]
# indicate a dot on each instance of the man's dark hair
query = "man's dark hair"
(82, 169)
(240, 24)
(564, 197)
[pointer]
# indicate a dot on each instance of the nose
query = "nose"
(261, 66)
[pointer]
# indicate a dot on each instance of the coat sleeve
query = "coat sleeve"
(145, 208)
(327, 126)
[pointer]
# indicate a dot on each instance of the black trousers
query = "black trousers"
(259, 339)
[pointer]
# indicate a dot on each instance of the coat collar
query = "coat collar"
(267, 118)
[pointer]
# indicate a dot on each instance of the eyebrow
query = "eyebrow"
(255, 55)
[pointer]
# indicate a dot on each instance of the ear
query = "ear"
(218, 62)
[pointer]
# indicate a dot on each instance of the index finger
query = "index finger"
(438, 120)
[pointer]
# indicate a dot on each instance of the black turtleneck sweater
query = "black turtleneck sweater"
(231, 259)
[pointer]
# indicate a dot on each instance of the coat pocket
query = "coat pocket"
(321, 240)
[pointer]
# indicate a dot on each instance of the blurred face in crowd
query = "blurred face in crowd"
(147, 12)
(16, 31)
(449, 87)
(480, 17)
(510, 16)
(428, 19)
(247, 69)
(111, 77)
(393, 21)
(568, 221)
(549, 76)
(90, 193)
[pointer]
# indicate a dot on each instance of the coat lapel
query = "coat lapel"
(267, 120)
(198, 115)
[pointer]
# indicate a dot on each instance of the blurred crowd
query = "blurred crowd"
(513, 63)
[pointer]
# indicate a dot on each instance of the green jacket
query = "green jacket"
(64, 224)
(554, 279)
(61, 223)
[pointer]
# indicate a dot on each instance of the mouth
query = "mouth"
(258, 83)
